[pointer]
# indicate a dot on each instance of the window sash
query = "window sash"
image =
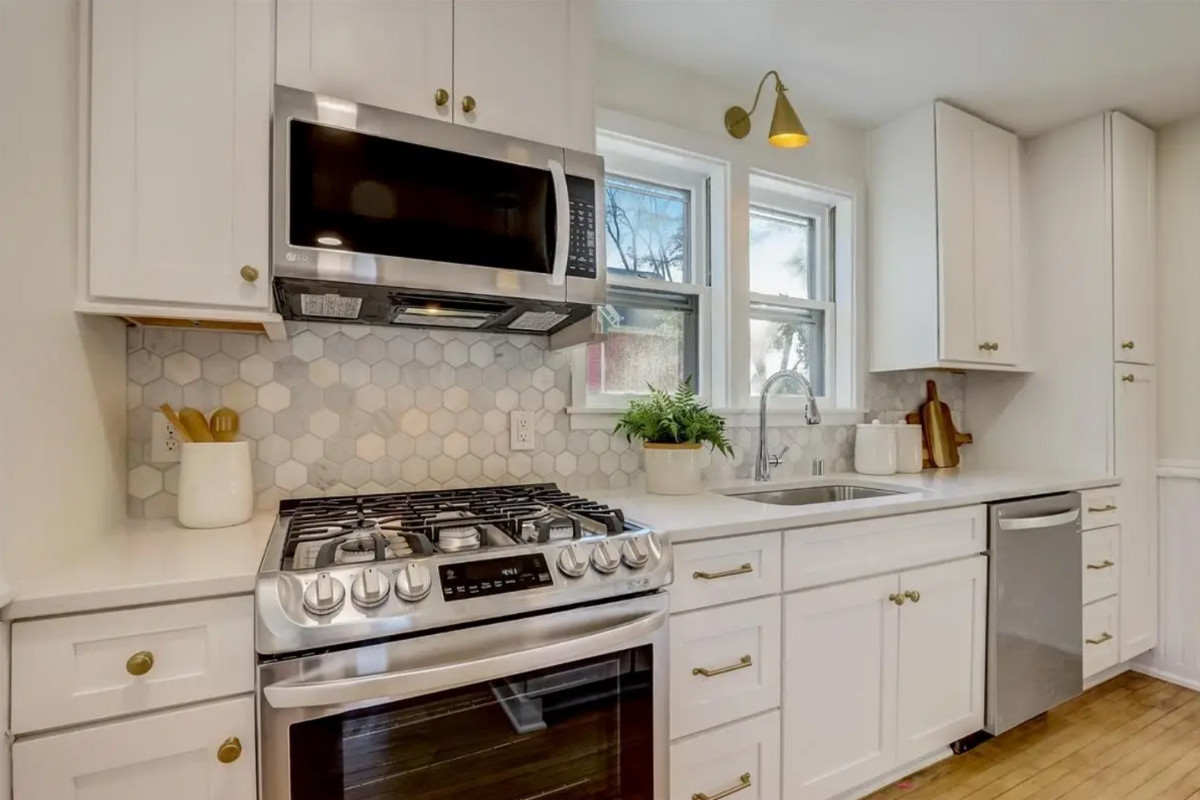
(822, 373)
(650, 188)
(818, 280)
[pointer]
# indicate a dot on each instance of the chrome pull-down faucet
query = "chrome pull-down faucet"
(812, 416)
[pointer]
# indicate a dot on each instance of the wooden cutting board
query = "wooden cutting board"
(939, 429)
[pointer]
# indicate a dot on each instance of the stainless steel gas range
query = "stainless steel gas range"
(504, 642)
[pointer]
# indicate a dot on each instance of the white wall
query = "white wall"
(62, 377)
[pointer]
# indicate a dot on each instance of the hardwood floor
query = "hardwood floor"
(1132, 737)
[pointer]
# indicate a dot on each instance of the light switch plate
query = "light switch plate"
(520, 430)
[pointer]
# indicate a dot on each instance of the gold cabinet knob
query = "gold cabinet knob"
(140, 663)
(914, 596)
(249, 274)
(1127, 378)
(985, 346)
(230, 750)
(995, 346)
(1127, 345)
(898, 599)
(468, 104)
(441, 97)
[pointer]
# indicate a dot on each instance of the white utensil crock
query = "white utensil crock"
(215, 487)
(672, 468)
(875, 449)
(910, 441)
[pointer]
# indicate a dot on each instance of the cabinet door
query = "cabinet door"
(977, 195)
(385, 53)
(180, 118)
(943, 640)
(1133, 232)
(527, 65)
(171, 754)
(839, 686)
(1136, 465)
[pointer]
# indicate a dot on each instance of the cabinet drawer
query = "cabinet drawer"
(725, 571)
(81, 668)
(1101, 635)
(831, 553)
(169, 754)
(742, 756)
(1101, 563)
(1100, 507)
(724, 664)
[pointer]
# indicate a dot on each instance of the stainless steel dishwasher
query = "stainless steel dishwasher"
(1035, 611)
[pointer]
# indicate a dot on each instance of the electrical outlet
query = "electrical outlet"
(520, 430)
(165, 444)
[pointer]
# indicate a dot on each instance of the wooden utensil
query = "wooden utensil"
(195, 424)
(224, 424)
(939, 429)
(173, 418)
(914, 418)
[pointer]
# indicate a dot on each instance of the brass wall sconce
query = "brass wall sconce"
(786, 128)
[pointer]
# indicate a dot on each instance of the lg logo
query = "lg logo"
(294, 257)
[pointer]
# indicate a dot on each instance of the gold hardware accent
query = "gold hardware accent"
(468, 104)
(990, 346)
(1103, 638)
(743, 662)
(743, 783)
(441, 97)
(786, 128)
(914, 596)
(1105, 564)
(1127, 378)
(230, 750)
(1109, 507)
(712, 576)
(249, 274)
(898, 599)
(140, 663)
(1127, 345)
(995, 346)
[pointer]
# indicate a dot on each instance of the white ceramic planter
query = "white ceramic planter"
(215, 486)
(672, 468)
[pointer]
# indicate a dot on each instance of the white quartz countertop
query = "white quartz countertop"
(713, 514)
(144, 562)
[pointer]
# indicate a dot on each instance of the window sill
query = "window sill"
(605, 419)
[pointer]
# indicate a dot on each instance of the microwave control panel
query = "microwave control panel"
(581, 255)
(494, 576)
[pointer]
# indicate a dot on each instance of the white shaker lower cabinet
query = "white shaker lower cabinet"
(177, 754)
(740, 759)
(880, 672)
(1137, 465)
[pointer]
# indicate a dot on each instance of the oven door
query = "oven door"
(367, 195)
(570, 705)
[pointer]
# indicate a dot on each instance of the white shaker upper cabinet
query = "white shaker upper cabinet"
(525, 67)
(395, 54)
(180, 116)
(1133, 239)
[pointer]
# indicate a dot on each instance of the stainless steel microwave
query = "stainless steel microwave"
(387, 218)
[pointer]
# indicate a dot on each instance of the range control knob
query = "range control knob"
(606, 557)
(370, 588)
(413, 582)
(325, 595)
(635, 553)
(572, 561)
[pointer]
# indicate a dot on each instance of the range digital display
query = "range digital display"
(494, 576)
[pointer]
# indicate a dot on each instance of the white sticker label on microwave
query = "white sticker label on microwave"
(536, 321)
(330, 305)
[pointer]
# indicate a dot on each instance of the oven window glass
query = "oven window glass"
(369, 194)
(582, 731)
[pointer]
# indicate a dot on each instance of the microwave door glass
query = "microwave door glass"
(370, 194)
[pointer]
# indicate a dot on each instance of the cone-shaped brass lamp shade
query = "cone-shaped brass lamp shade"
(786, 128)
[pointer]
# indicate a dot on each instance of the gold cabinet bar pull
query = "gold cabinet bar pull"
(1108, 507)
(140, 663)
(1104, 637)
(230, 750)
(898, 599)
(712, 576)
(913, 595)
(743, 662)
(1105, 564)
(743, 783)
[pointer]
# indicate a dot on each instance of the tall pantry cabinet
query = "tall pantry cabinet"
(1090, 404)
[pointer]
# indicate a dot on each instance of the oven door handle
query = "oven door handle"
(562, 208)
(429, 678)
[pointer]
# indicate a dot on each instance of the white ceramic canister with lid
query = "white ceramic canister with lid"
(875, 449)
(910, 444)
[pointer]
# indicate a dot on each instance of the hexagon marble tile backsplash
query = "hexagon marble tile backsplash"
(342, 409)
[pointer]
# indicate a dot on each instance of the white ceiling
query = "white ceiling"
(1027, 65)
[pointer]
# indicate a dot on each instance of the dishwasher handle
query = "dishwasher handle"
(1032, 523)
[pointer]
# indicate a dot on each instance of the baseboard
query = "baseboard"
(1165, 675)
(895, 775)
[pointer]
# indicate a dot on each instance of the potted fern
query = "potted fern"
(673, 427)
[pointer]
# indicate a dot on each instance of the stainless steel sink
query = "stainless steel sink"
(810, 495)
